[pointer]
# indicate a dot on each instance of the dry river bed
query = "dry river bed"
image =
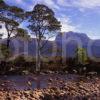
(49, 87)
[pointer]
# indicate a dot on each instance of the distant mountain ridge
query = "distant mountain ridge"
(72, 39)
(67, 40)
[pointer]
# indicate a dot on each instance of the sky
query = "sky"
(75, 15)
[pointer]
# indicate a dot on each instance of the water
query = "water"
(31, 82)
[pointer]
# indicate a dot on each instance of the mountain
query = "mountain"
(21, 46)
(66, 42)
(70, 41)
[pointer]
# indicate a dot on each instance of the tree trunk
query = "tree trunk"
(8, 35)
(8, 42)
(38, 54)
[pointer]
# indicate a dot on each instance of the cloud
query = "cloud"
(88, 3)
(18, 1)
(67, 24)
(80, 4)
(50, 3)
(65, 21)
(3, 30)
(28, 5)
(58, 4)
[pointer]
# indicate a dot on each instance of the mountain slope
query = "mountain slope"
(66, 42)
(70, 40)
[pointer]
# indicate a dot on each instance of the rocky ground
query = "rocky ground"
(58, 88)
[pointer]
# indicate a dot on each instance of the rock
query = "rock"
(8, 98)
(29, 83)
(26, 93)
(58, 89)
(42, 73)
(50, 79)
(50, 72)
(66, 72)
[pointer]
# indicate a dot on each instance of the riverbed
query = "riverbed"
(27, 82)
(49, 87)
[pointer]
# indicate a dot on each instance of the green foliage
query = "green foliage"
(2, 3)
(5, 52)
(12, 17)
(42, 21)
(22, 33)
(19, 59)
(22, 65)
(1, 0)
(82, 56)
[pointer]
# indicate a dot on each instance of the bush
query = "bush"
(5, 52)
(19, 61)
(5, 67)
(21, 64)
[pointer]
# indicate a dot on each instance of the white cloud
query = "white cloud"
(18, 1)
(81, 4)
(65, 21)
(3, 30)
(65, 3)
(67, 24)
(88, 3)
(50, 3)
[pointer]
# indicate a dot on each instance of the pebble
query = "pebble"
(85, 90)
